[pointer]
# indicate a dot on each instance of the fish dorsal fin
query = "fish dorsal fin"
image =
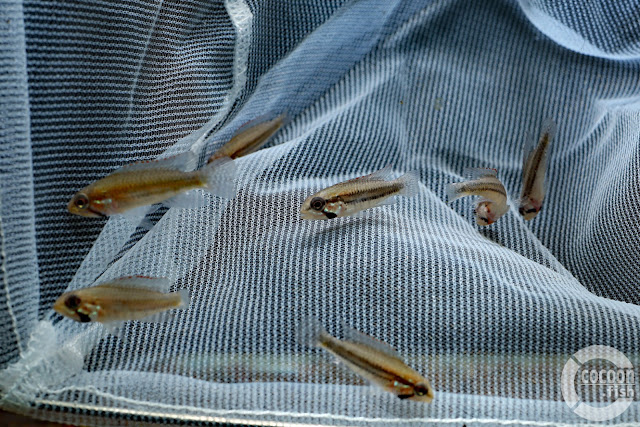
(384, 174)
(157, 284)
(351, 334)
(476, 173)
(186, 161)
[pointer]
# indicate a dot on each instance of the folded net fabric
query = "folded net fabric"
(489, 315)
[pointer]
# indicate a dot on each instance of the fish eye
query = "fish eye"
(317, 203)
(81, 201)
(72, 302)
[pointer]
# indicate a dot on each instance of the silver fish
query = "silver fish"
(493, 196)
(141, 184)
(353, 196)
(372, 359)
(533, 173)
(126, 298)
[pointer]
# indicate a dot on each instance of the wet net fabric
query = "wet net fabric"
(489, 315)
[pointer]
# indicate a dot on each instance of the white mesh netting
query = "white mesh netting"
(489, 315)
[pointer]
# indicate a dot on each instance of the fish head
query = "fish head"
(87, 203)
(419, 392)
(77, 307)
(529, 208)
(488, 212)
(319, 207)
(422, 392)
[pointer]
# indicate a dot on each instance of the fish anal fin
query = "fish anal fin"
(161, 317)
(388, 201)
(369, 341)
(188, 200)
(186, 161)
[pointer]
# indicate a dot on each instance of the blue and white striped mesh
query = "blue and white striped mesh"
(489, 315)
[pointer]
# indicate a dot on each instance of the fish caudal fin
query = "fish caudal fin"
(185, 299)
(453, 192)
(311, 332)
(220, 177)
(410, 184)
(549, 128)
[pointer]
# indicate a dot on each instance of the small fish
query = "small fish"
(533, 173)
(372, 359)
(127, 298)
(488, 212)
(483, 183)
(350, 197)
(249, 138)
(145, 183)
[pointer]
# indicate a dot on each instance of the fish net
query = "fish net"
(490, 315)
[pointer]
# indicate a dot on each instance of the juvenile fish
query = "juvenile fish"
(350, 197)
(127, 298)
(373, 360)
(249, 138)
(493, 196)
(488, 212)
(145, 183)
(533, 173)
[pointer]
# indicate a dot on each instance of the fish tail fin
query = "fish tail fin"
(311, 332)
(549, 128)
(220, 176)
(411, 183)
(453, 192)
(185, 299)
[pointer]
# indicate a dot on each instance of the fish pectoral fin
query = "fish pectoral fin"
(404, 396)
(388, 201)
(137, 214)
(186, 161)
(367, 340)
(189, 200)
(114, 328)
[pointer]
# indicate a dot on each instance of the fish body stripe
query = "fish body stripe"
(342, 350)
(533, 165)
(477, 187)
(146, 187)
(368, 194)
